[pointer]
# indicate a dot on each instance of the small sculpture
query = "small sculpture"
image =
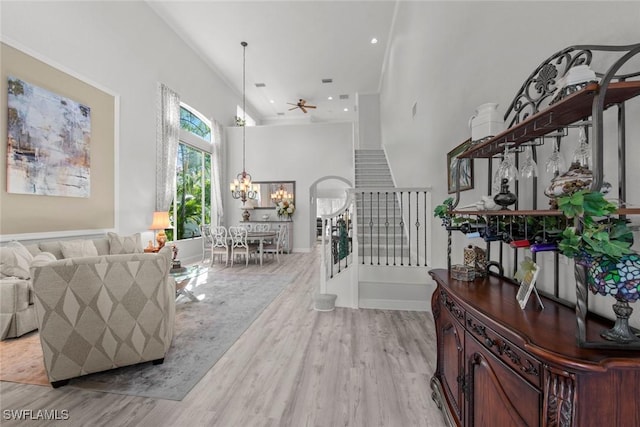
(505, 197)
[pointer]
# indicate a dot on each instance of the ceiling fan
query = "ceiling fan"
(302, 104)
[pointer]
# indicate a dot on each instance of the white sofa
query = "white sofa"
(101, 311)
(17, 308)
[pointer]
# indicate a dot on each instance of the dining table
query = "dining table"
(261, 237)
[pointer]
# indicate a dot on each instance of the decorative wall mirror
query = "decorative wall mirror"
(268, 189)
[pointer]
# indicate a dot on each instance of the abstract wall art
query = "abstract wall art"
(48, 147)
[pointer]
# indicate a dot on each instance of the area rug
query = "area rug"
(205, 330)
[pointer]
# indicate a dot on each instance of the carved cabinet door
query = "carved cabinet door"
(495, 394)
(452, 360)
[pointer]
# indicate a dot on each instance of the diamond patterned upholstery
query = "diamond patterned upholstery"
(99, 313)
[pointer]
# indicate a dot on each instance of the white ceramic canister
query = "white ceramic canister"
(486, 122)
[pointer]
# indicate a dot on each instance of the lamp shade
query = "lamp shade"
(160, 221)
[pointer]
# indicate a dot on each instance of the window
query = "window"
(191, 122)
(192, 201)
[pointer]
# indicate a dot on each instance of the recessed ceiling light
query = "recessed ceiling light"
(330, 98)
(374, 40)
(346, 109)
(272, 101)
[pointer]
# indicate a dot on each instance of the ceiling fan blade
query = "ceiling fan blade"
(292, 104)
(293, 108)
(309, 106)
(303, 109)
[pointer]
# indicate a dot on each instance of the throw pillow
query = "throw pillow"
(78, 248)
(43, 258)
(15, 260)
(124, 244)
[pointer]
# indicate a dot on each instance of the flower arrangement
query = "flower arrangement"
(285, 208)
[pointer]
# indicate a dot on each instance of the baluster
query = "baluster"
(417, 229)
(425, 227)
(401, 228)
(371, 228)
(378, 224)
(361, 227)
(386, 223)
(395, 197)
(409, 227)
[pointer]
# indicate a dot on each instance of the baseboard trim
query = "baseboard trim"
(390, 304)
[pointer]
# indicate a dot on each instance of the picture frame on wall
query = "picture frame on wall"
(466, 168)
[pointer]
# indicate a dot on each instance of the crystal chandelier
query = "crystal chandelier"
(281, 195)
(241, 187)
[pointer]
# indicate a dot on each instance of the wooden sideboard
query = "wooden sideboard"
(498, 365)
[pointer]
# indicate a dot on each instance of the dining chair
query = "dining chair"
(239, 244)
(248, 227)
(276, 247)
(219, 244)
(205, 232)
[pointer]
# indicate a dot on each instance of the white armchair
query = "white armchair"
(103, 312)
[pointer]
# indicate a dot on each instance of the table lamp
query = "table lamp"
(160, 223)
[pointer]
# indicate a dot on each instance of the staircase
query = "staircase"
(372, 169)
(380, 231)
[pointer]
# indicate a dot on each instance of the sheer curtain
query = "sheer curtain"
(167, 136)
(217, 210)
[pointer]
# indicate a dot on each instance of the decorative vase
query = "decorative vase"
(620, 279)
(486, 122)
(576, 178)
(505, 198)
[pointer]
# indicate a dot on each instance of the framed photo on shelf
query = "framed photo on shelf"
(466, 168)
(528, 283)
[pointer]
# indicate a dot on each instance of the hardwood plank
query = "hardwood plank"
(293, 366)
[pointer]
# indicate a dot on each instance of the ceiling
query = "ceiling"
(292, 47)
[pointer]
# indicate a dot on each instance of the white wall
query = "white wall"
(369, 122)
(300, 153)
(452, 57)
(126, 48)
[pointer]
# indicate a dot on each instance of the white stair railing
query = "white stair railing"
(386, 227)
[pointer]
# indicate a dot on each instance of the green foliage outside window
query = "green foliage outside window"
(193, 182)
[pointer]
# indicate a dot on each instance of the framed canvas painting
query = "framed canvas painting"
(48, 148)
(466, 168)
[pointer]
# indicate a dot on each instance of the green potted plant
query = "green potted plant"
(591, 238)
(443, 211)
(603, 246)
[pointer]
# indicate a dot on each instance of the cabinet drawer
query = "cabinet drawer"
(527, 366)
(450, 305)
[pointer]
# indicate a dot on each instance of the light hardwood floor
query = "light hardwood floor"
(293, 367)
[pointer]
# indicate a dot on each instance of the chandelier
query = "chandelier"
(241, 187)
(281, 195)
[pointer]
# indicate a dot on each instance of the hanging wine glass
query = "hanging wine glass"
(555, 164)
(582, 154)
(529, 168)
(506, 170)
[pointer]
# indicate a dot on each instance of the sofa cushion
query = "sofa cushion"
(102, 245)
(125, 244)
(33, 248)
(15, 260)
(78, 248)
(43, 258)
(53, 248)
